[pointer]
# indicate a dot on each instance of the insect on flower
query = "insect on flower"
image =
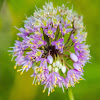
(45, 44)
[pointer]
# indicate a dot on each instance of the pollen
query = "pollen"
(55, 86)
(21, 73)
(18, 70)
(81, 79)
(56, 79)
(69, 85)
(17, 38)
(49, 94)
(15, 67)
(55, 26)
(38, 83)
(43, 91)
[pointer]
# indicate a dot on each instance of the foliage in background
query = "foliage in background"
(14, 87)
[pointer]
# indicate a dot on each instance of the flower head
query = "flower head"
(46, 43)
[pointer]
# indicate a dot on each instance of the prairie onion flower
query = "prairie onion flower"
(52, 42)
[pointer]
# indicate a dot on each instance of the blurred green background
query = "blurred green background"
(16, 87)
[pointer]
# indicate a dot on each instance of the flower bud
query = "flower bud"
(49, 67)
(63, 69)
(77, 66)
(56, 69)
(60, 65)
(50, 59)
(54, 64)
(74, 57)
(57, 63)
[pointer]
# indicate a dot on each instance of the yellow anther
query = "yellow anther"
(73, 74)
(21, 51)
(55, 86)
(40, 70)
(80, 70)
(41, 67)
(18, 70)
(82, 56)
(75, 37)
(35, 84)
(26, 66)
(42, 47)
(82, 67)
(56, 79)
(53, 90)
(15, 67)
(74, 84)
(78, 82)
(85, 53)
(49, 94)
(31, 57)
(17, 38)
(38, 83)
(43, 91)
(59, 47)
(67, 33)
(9, 54)
(21, 73)
(85, 48)
(32, 83)
(69, 85)
(81, 79)
(11, 60)
(26, 30)
(16, 46)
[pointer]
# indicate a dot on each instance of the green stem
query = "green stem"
(70, 94)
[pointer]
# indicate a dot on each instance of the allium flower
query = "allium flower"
(52, 42)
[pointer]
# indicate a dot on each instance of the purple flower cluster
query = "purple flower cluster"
(45, 43)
